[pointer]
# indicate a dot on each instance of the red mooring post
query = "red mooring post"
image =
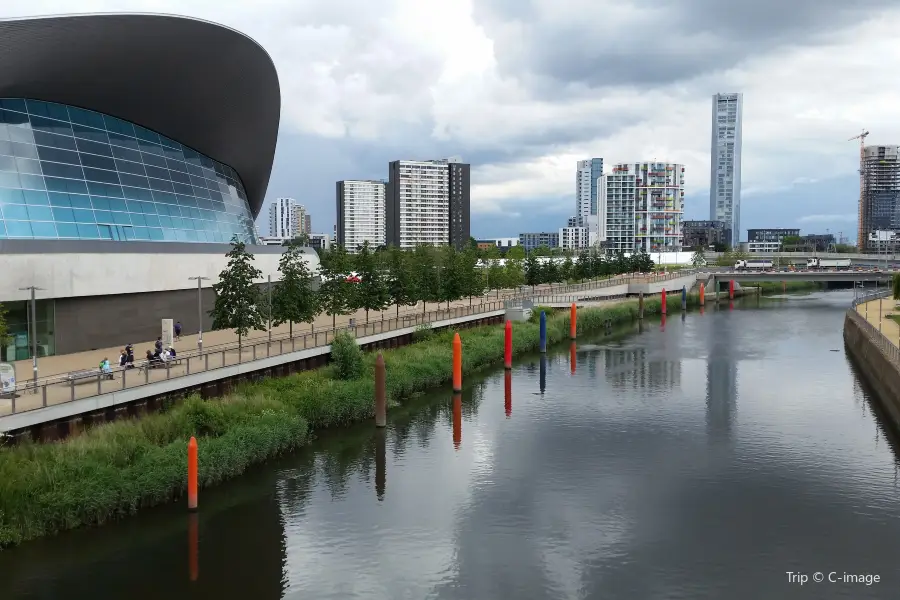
(702, 294)
(507, 346)
(192, 474)
(457, 363)
(731, 289)
(663, 302)
(380, 392)
(573, 322)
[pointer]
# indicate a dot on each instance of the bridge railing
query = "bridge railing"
(887, 346)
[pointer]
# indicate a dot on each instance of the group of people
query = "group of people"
(157, 356)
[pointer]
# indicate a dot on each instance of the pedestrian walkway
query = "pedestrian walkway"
(876, 313)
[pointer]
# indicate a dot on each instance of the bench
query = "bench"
(75, 376)
(146, 365)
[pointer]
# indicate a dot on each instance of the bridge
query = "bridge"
(790, 258)
(820, 275)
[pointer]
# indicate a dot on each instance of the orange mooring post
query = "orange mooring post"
(663, 301)
(702, 294)
(731, 289)
(457, 363)
(192, 474)
(573, 322)
(507, 346)
(380, 392)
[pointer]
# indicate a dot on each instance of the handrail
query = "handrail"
(887, 347)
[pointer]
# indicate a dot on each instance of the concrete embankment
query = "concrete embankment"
(877, 360)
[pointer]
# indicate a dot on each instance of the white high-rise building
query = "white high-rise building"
(287, 218)
(641, 207)
(573, 238)
(725, 164)
(587, 174)
(360, 214)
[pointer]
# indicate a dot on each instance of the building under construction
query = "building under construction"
(879, 202)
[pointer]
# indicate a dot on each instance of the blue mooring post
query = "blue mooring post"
(543, 331)
(683, 298)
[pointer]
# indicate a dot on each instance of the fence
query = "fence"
(69, 387)
(887, 347)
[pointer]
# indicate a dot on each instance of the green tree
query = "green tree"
(472, 275)
(542, 251)
(427, 279)
(293, 299)
(550, 271)
(641, 262)
(582, 268)
(238, 299)
(517, 252)
(532, 271)
(336, 294)
(452, 275)
(698, 259)
(514, 273)
(372, 291)
(496, 276)
(567, 268)
(490, 253)
(401, 283)
(895, 283)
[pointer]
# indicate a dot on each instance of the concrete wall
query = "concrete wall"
(115, 269)
(882, 374)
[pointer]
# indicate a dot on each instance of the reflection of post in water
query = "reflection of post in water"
(543, 380)
(193, 546)
(731, 305)
(457, 420)
(662, 323)
(683, 315)
(380, 463)
(507, 393)
(702, 310)
(641, 326)
(572, 357)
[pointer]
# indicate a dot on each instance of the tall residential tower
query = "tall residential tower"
(360, 214)
(725, 164)
(586, 176)
(880, 209)
(287, 218)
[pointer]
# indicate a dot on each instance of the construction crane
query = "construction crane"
(862, 223)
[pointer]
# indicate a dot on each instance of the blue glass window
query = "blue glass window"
(142, 185)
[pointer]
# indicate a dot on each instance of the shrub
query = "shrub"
(423, 333)
(346, 357)
(536, 314)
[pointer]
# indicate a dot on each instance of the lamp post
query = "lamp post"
(269, 312)
(33, 332)
(200, 281)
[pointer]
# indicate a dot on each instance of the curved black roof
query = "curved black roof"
(205, 85)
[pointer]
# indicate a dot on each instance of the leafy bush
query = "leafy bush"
(423, 333)
(346, 357)
(536, 314)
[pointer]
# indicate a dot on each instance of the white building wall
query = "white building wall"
(424, 194)
(286, 218)
(725, 162)
(63, 275)
(574, 238)
(363, 214)
(583, 192)
(617, 205)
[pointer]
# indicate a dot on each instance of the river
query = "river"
(705, 458)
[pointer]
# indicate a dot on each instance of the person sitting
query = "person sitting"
(123, 359)
(129, 352)
(106, 369)
(171, 353)
(153, 359)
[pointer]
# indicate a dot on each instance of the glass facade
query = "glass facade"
(18, 319)
(71, 173)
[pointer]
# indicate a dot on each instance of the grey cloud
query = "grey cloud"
(658, 44)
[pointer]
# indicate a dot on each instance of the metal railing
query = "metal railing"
(68, 387)
(529, 298)
(889, 348)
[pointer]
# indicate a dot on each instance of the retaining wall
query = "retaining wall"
(880, 371)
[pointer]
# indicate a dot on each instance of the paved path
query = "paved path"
(876, 311)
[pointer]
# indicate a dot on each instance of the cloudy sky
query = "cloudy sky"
(522, 89)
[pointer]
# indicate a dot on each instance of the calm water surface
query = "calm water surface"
(702, 459)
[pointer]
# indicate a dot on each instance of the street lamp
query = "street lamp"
(33, 332)
(200, 281)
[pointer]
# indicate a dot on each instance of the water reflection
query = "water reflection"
(507, 393)
(380, 463)
(193, 546)
(721, 377)
(572, 357)
(457, 420)
(543, 375)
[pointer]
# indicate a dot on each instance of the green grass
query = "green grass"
(115, 469)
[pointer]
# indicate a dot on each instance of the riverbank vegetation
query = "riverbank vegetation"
(118, 468)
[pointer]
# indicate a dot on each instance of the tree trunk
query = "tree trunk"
(398, 310)
(367, 316)
(240, 350)
(334, 321)
(424, 305)
(290, 329)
